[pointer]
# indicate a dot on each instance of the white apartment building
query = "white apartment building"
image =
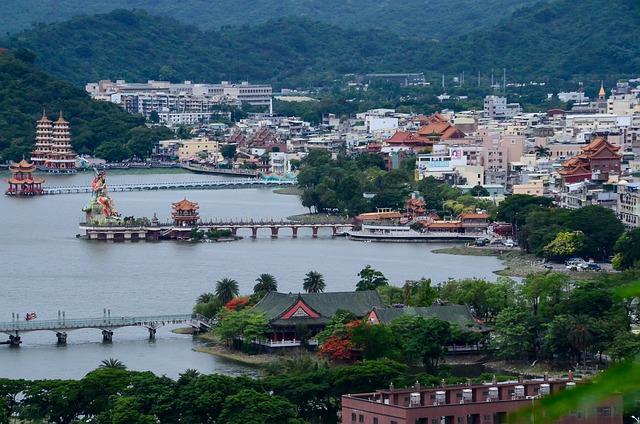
(496, 107)
(573, 96)
(157, 96)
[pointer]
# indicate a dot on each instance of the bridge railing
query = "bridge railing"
(107, 321)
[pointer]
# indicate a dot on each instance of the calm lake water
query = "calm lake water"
(45, 268)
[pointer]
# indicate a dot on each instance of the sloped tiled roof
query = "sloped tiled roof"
(275, 305)
(455, 314)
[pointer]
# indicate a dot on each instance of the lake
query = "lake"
(46, 269)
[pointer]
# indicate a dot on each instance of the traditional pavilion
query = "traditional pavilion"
(53, 152)
(185, 213)
(598, 156)
(288, 313)
(22, 183)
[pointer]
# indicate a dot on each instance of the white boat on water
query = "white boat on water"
(395, 233)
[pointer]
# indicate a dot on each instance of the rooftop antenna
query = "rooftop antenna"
(443, 80)
(492, 78)
(504, 80)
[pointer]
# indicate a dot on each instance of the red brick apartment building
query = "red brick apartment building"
(487, 403)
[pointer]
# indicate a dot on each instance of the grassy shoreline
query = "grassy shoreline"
(516, 262)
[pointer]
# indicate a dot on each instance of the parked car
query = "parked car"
(510, 243)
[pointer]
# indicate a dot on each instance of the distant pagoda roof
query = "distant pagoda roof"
(185, 205)
(22, 166)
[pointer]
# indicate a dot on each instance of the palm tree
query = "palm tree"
(112, 364)
(205, 297)
(189, 374)
(581, 334)
(542, 152)
(226, 290)
(314, 282)
(266, 283)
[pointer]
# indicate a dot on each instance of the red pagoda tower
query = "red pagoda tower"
(185, 213)
(22, 183)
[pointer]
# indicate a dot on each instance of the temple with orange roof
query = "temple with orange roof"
(598, 156)
(185, 213)
(22, 183)
(53, 152)
(406, 139)
(438, 129)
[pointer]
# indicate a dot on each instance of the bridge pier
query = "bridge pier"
(254, 232)
(14, 340)
(107, 335)
(294, 231)
(152, 333)
(62, 338)
(315, 231)
(274, 232)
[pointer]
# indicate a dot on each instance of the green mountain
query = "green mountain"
(562, 39)
(426, 18)
(25, 91)
(555, 42)
(137, 47)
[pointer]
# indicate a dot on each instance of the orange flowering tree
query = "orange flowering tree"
(340, 346)
(237, 304)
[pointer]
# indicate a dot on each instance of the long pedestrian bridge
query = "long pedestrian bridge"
(107, 324)
(181, 185)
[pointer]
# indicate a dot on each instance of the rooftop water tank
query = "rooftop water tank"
(545, 389)
(414, 398)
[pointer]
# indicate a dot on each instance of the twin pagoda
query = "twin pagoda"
(53, 152)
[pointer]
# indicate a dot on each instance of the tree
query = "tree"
(565, 245)
(206, 297)
(10, 390)
(479, 191)
(422, 339)
(314, 282)
(112, 364)
(51, 401)
(601, 228)
(580, 333)
(266, 283)
(228, 151)
(513, 334)
(542, 152)
(250, 406)
(627, 250)
(376, 341)
(371, 279)
(227, 289)
(419, 293)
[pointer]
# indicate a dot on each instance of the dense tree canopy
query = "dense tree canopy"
(97, 127)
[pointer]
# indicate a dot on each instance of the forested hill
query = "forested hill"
(138, 47)
(563, 39)
(560, 41)
(426, 18)
(26, 91)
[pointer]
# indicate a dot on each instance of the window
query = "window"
(360, 418)
(353, 417)
(375, 420)
(487, 418)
